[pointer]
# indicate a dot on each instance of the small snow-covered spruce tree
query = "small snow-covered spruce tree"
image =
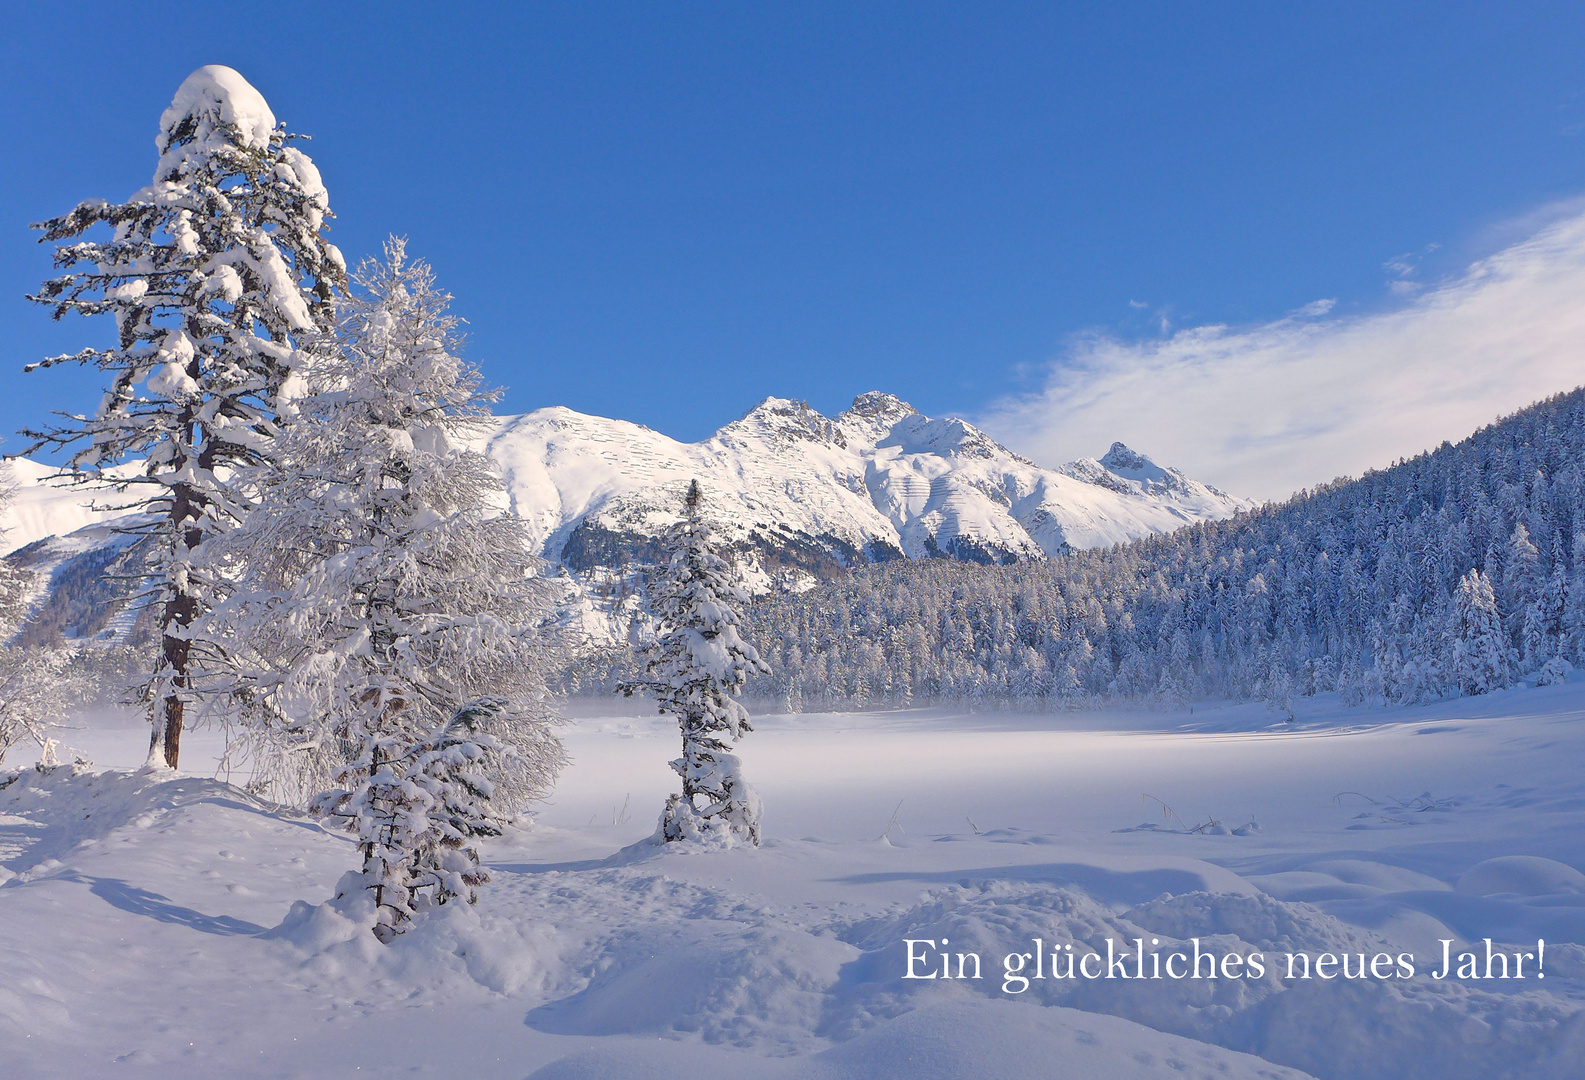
(694, 668)
(221, 284)
(386, 611)
(416, 809)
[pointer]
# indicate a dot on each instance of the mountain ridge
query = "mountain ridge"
(879, 480)
(799, 496)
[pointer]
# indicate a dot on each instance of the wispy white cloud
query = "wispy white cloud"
(1405, 271)
(1264, 410)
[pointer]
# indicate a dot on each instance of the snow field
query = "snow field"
(148, 923)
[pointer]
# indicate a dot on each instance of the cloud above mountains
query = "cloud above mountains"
(1266, 409)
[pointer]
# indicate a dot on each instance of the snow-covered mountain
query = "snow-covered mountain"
(40, 508)
(800, 496)
(809, 494)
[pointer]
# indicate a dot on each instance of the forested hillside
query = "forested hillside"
(1455, 572)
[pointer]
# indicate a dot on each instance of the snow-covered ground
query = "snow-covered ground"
(147, 925)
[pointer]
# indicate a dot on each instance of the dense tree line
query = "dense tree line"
(1455, 572)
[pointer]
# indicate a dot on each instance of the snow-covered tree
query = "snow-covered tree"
(378, 583)
(1277, 690)
(221, 283)
(381, 594)
(1521, 572)
(1481, 660)
(38, 687)
(416, 808)
(695, 668)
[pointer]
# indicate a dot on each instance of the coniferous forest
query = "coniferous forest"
(1452, 573)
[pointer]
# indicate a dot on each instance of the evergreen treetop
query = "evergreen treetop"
(221, 285)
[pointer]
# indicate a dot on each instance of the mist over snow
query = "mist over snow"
(1267, 409)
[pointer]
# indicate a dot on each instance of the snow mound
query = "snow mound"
(1354, 1029)
(748, 986)
(218, 97)
(344, 923)
(948, 1040)
(1262, 922)
(453, 942)
(1521, 875)
(67, 806)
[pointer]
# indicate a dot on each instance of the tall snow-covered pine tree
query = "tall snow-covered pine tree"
(221, 284)
(695, 668)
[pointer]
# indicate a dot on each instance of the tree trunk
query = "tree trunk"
(176, 648)
(174, 708)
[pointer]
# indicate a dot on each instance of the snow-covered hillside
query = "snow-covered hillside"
(810, 494)
(41, 506)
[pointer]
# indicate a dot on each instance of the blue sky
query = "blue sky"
(666, 212)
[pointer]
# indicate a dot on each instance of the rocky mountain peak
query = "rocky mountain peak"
(1121, 457)
(872, 416)
(782, 418)
(878, 405)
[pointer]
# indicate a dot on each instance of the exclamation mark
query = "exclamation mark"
(1540, 959)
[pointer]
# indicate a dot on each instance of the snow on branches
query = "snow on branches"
(38, 687)
(416, 807)
(221, 284)
(1481, 660)
(695, 668)
(379, 593)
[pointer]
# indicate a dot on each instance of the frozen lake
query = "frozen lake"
(1349, 830)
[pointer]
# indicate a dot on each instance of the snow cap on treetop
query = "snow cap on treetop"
(217, 96)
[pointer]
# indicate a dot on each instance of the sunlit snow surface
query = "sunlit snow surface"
(139, 916)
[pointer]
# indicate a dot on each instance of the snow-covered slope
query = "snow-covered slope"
(810, 494)
(43, 507)
(143, 911)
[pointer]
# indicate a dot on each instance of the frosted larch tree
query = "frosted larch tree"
(695, 668)
(221, 283)
(385, 628)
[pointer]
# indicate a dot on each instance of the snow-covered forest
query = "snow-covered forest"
(321, 556)
(1454, 573)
